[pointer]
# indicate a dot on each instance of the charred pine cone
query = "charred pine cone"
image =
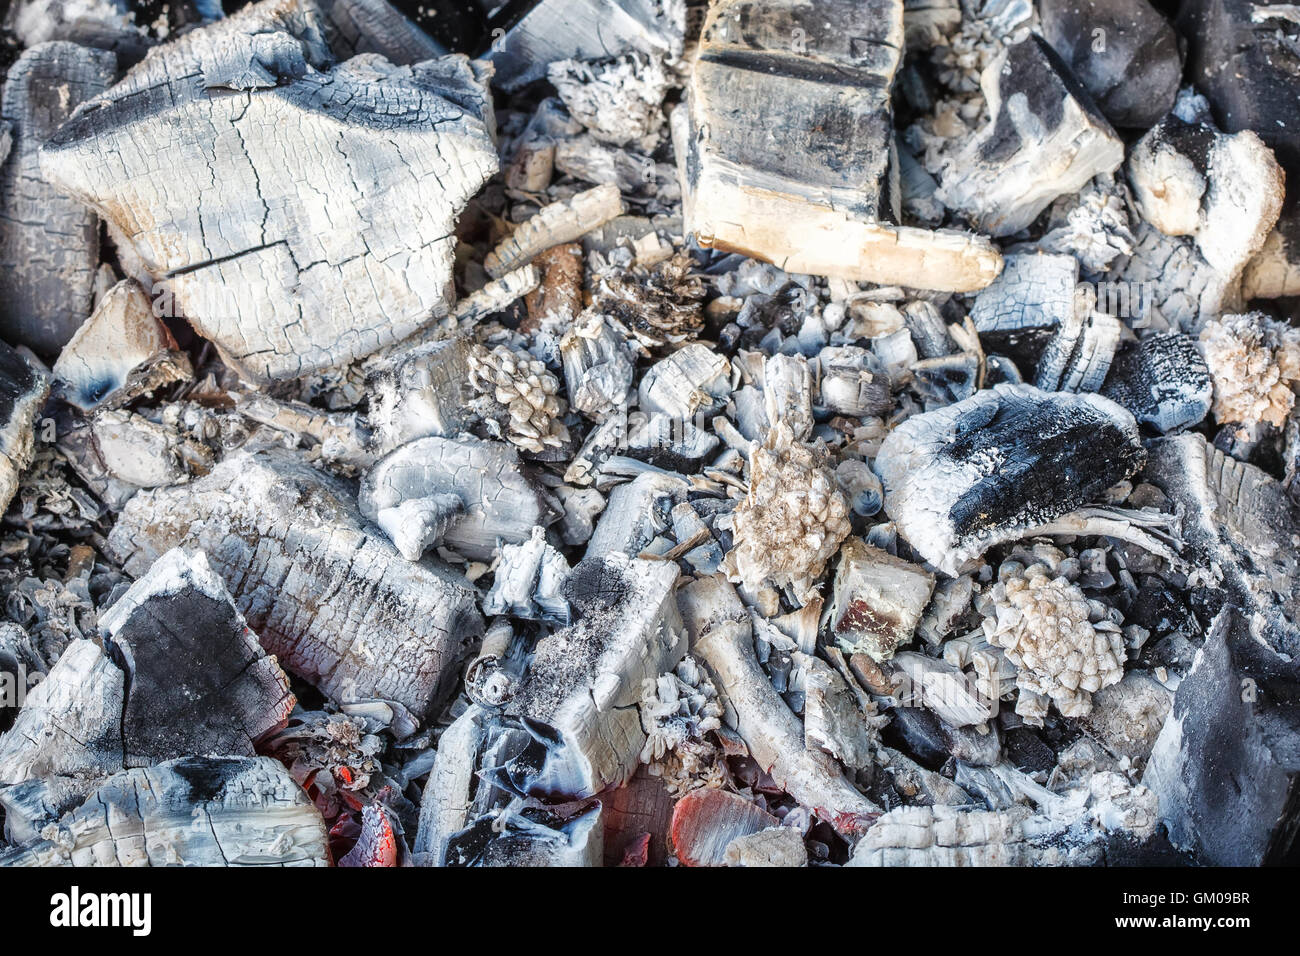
(527, 409)
(1062, 643)
(1255, 362)
(659, 307)
(791, 522)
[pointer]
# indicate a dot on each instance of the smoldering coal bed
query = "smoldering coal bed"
(649, 432)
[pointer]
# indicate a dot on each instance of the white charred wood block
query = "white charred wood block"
(1045, 139)
(133, 450)
(947, 836)
(943, 688)
(554, 225)
(1169, 283)
(120, 353)
(448, 798)
(833, 718)
(304, 272)
(598, 366)
(23, 390)
(419, 392)
(722, 637)
(877, 600)
(71, 723)
(693, 379)
(1034, 292)
(252, 813)
(283, 536)
(199, 682)
(584, 682)
(342, 438)
(498, 295)
(773, 847)
(786, 153)
(1241, 529)
(1079, 355)
(1225, 191)
(1128, 716)
(49, 243)
(636, 513)
(471, 495)
(787, 394)
(963, 478)
(31, 806)
(529, 581)
(537, 34)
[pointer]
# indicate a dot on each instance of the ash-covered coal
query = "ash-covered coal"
(649, 432)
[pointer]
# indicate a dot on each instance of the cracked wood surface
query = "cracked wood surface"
(327, 593)
(195, 811)
(49, 243)
(199, 161)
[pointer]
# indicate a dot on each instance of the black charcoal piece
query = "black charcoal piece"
(1162, 380)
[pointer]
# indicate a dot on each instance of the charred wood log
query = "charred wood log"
(49, 243)
(283, 536)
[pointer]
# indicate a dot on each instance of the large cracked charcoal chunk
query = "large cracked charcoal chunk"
(327, 593)
(786, 153)
(1163, 380)
(1240, 526)
(199, 682)
(991, 468)
(49, 243)
(1046, 139)
(249, 812)
(302, 223)
(1123, 52)
(529, 35)
(1226, 766)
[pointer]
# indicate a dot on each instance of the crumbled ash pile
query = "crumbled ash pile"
(649, 432)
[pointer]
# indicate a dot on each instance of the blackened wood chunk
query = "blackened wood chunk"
(303, 223)
(251, 811)
(529, 35)
(23, 391)
(963, 478)
(1046, 138)
(786, 152)
(1226, 766)
(1123, 52)
(376, 26)
(326, 592)
(199, 681)
(49, 243)
(1162, 380)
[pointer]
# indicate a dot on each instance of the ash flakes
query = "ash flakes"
(837, 463)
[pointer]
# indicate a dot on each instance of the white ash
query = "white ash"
(618, 101)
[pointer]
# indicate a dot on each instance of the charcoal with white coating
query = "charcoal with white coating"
(471, 495)
(1045, 139)
(49, 242)
(254, 815)
(996, 466)
(280, 534)
(1162, 380)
